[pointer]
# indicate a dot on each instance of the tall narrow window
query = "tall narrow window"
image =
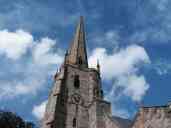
(76, 81)
(94, 92)
(102, 93)
(74, 123)
(62, 101)
(80, 60)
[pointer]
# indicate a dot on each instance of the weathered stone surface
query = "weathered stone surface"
(123, 123)
(77, 53)
(76, 99)
(153, 117)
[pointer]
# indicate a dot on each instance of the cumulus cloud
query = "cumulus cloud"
(117, 64)
(14, 44)
(35, 61)
(42, 52)
(123, 67)
(39, 110)
(27, 85)
(133, 86)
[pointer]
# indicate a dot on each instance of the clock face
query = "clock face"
(76, 98)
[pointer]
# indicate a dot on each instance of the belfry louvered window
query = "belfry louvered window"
(76, 81)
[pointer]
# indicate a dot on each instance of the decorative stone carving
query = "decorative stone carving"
(76, 98)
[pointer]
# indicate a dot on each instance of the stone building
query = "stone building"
(153, 117)
(76, 99)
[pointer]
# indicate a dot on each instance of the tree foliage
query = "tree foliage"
(11, 120)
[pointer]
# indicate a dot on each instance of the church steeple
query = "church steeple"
(77, 54)
(76, 99)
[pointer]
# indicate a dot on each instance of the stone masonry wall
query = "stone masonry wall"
(153, 117)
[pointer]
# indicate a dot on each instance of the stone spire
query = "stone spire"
(77, 54)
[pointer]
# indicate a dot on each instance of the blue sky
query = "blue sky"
(130, 38)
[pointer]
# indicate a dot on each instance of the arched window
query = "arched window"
(76, 81)
(74, 123)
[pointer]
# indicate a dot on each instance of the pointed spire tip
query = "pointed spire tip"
(77, 53)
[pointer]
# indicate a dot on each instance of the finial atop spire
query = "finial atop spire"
(77, 53)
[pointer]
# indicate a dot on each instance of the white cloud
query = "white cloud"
(37, 65)
(110, 37)
(42, 52)
(120, 63)
(39, 110)
(123, 67)
(35, 62)
(28, 85)
(14, 44)
(133, 86)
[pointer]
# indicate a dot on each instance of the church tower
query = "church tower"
(76, 99)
